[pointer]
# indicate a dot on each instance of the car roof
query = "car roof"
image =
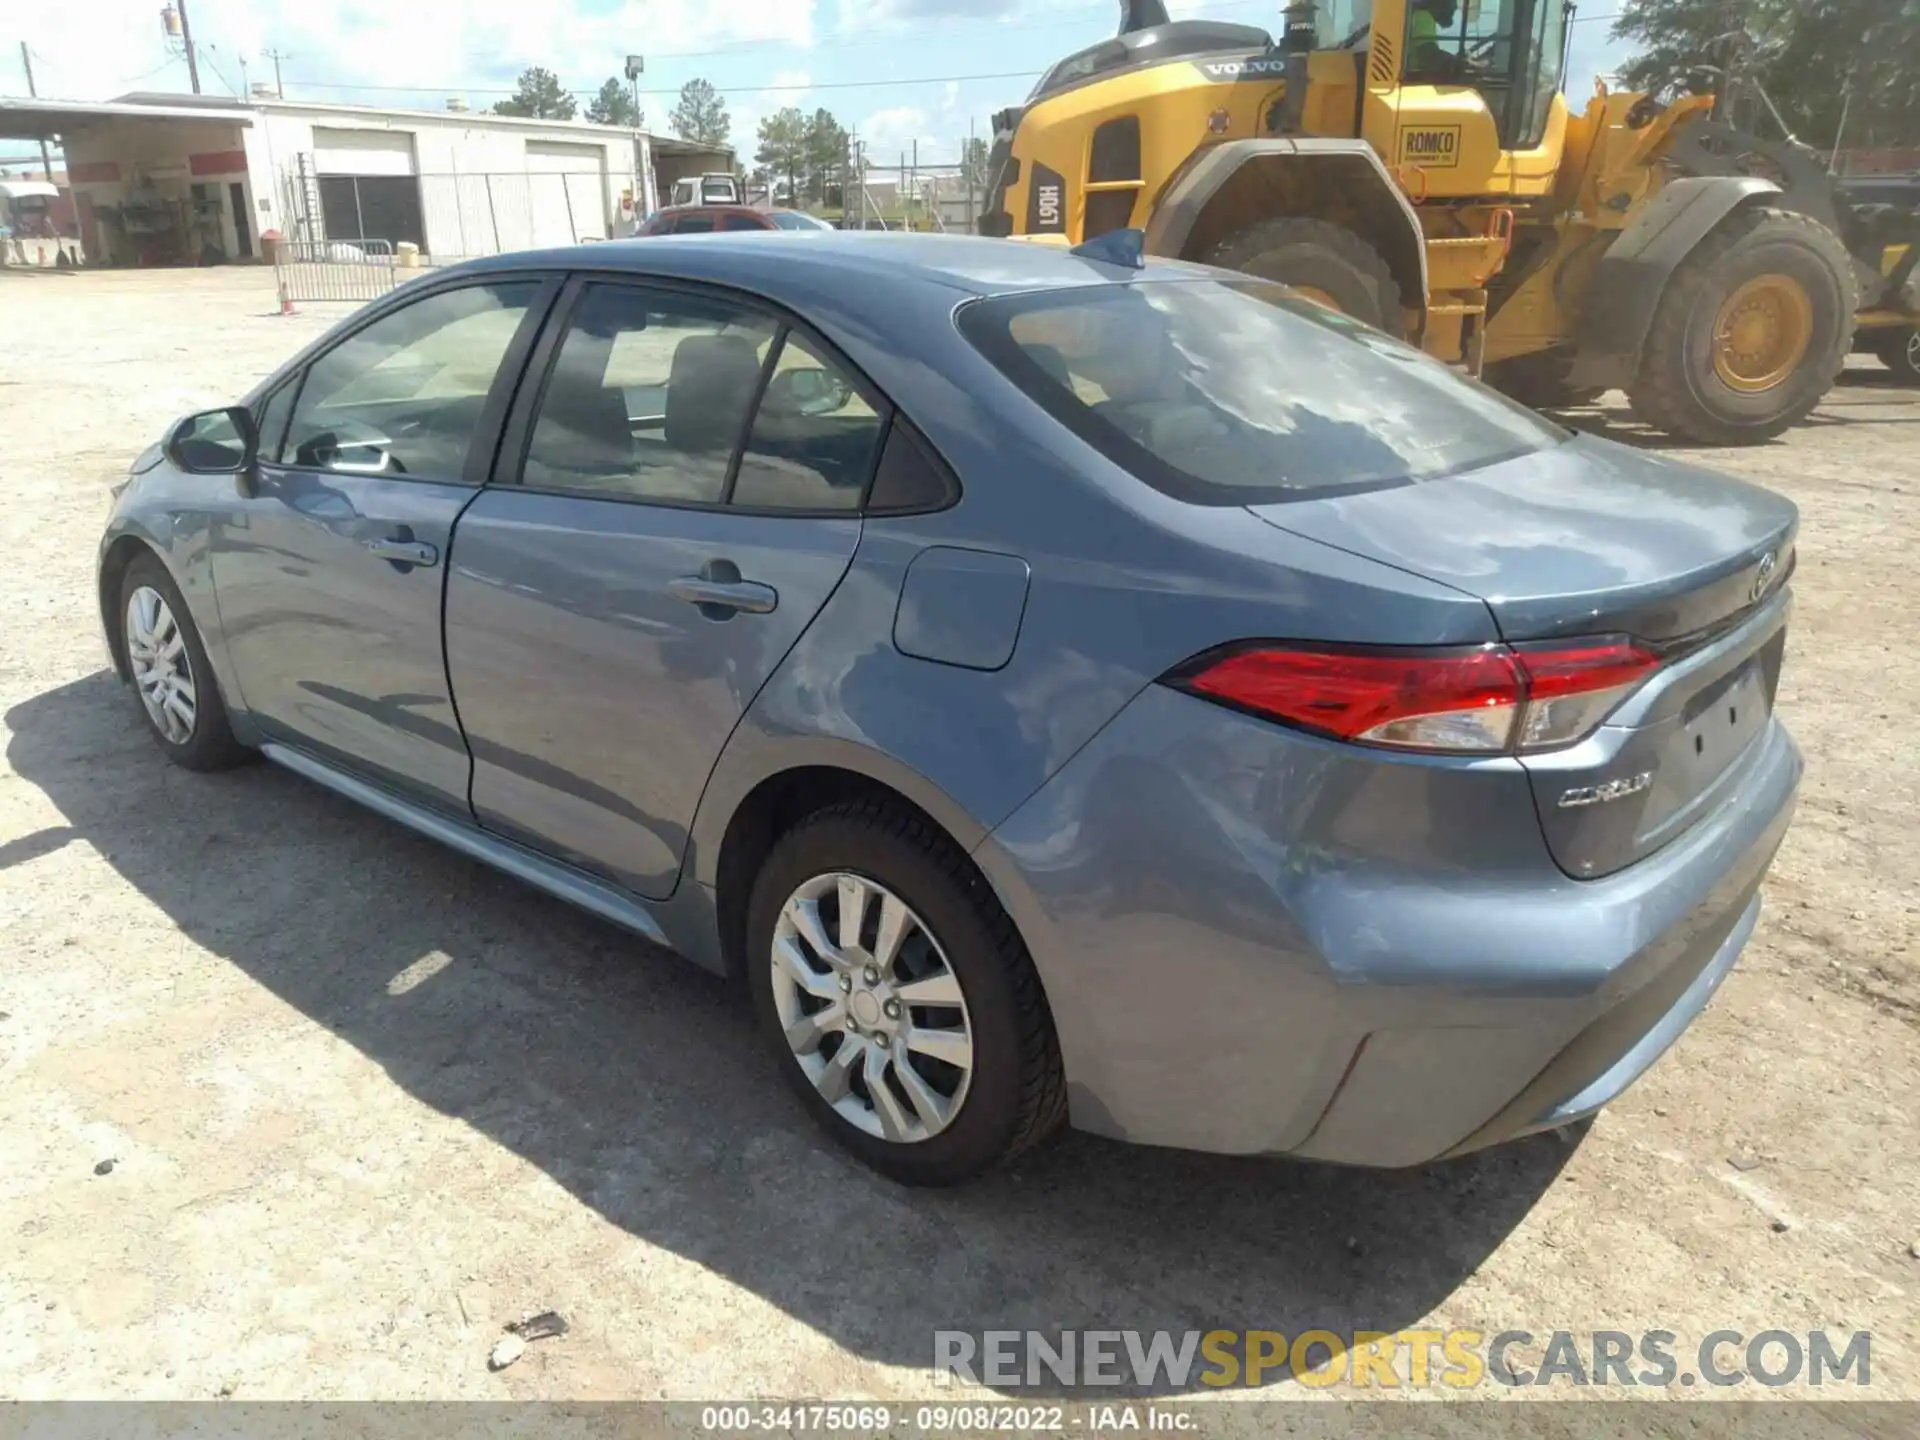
(783, 265)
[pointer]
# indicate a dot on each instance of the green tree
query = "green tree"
(701, 116)
(973, 162)
(539, 97)
(826, 157)
(783, 149)
(613, 106)
(1815, 59)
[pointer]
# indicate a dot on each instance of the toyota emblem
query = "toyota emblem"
(1763, 577)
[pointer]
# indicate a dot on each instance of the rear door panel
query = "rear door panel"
(595, 700)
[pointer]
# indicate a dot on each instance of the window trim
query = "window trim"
(290, 387)
(485, 443)
(516, 441)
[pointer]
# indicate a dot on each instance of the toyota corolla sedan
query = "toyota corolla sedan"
(1062, 689)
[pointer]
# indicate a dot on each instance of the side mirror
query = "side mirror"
(215, 442)
(809, 391)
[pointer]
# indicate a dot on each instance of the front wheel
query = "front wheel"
(899, 998)
(1899, 351)
(1750, 333)
(168, 666)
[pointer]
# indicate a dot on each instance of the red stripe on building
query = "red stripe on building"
(219, 162)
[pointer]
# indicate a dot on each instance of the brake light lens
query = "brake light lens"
(1488, 701)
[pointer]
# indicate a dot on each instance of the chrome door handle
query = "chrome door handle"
(404, 552)
(739, 595)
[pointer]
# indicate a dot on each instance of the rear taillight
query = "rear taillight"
(1488, 701)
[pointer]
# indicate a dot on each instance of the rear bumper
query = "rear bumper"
(1257, 942)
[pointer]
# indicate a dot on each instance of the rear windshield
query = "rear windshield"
(1231, 393)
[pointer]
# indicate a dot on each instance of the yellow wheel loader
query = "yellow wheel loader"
(1414, 164)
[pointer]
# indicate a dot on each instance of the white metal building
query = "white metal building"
(166, 178)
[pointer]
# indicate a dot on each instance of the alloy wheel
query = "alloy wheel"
(162, 669)
(871, 1008)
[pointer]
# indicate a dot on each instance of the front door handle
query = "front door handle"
(404, 552)
(743, 596)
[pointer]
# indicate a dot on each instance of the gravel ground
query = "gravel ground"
(365, 1101)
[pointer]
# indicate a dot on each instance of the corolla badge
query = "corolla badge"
(1601, 794)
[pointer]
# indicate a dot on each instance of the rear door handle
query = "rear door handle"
(745, 596)
(404, 552)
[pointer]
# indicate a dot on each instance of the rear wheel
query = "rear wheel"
(1541, 381)
(899, 997)
(1899, 351)
(1327, 263)
(1750, 333)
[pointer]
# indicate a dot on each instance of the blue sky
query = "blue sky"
(897, 70)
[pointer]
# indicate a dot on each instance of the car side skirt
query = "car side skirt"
(684, 924)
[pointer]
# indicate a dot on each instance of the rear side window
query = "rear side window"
(649, 397)
(1235, 394)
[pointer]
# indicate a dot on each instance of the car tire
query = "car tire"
(1328, 262)
(1685, 391)
(182, 707)
(1899, 351)
(930, 1121)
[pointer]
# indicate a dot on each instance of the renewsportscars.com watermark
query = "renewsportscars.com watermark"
(1399, 1360)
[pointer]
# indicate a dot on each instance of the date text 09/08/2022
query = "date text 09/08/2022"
(966, 1418)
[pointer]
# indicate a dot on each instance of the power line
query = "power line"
(807, 86)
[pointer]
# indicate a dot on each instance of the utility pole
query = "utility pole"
(186, 39)
(973, 220)
(279, 90)
(26, 64)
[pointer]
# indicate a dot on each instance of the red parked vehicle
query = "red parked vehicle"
(704, 219)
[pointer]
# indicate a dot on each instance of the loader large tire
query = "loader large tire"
(1541, 381)
(1751, 332)
(1326, 262)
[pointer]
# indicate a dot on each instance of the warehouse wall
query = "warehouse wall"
(486, 186)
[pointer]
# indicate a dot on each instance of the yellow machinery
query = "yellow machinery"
(1414, 164)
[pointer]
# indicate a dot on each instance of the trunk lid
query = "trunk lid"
(1592, 538)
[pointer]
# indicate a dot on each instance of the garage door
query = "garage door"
(568, 190)
(363, 152)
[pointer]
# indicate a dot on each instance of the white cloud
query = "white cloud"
(879, 15)
(889, 132)
(88, 49)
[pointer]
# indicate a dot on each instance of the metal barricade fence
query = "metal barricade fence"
(351, 270)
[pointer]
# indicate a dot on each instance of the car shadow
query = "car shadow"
(636, 1082)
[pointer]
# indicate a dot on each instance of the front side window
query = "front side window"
(740, 222)
(272, 419)
(693, 225)
(797, 220)
(1238, 393)
(405, 395)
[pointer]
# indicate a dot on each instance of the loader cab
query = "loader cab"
(1464, 94)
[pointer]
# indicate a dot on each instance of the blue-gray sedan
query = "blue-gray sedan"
(1059, 690)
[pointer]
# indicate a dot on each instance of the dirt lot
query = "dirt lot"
(367, 1100)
